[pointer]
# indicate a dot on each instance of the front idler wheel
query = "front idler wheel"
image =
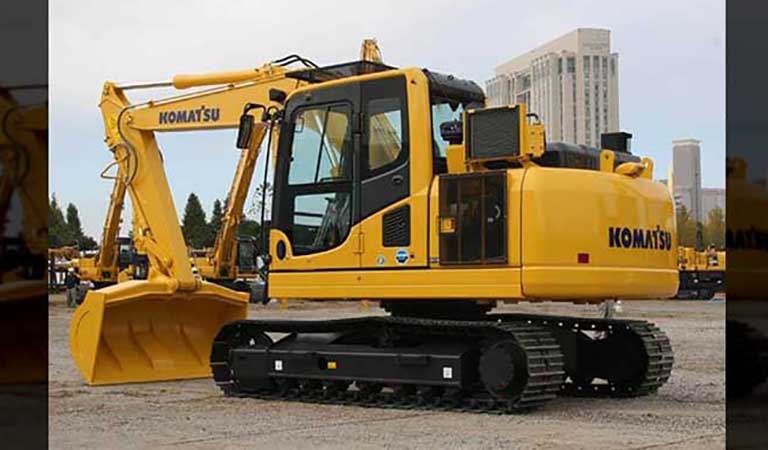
(504, 370)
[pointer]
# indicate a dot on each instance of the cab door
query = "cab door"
(392, 220)
(315, 195)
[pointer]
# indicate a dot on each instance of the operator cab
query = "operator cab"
(127, 256)
(349, 151)
(246, 255)
(124, 252)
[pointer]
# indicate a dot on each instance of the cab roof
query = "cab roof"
(442, 86)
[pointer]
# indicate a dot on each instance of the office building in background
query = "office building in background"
(686, 183)
(686, 170)
(572, 83)
(712, 198)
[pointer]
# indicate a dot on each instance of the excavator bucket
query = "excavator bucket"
(139, 331)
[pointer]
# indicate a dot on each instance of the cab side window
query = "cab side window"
(385, 133)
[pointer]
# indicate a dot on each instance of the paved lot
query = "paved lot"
(688, 412)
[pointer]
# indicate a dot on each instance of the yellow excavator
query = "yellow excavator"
(702, 273)
(396, 185)
(59, 259)
(232, 260)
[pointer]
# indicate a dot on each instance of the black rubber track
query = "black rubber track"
(546, 375)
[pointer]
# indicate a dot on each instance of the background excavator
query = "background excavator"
(58, 266)
(702, 273)
(117, 259)
(396, 185)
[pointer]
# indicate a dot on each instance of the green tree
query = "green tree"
(714, 230)
(217, 215)
(194, 225)
(67, 231)
(75, 230)
(686, 228)
(74, 226)
(57, 226)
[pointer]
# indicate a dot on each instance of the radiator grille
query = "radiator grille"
(494, 133)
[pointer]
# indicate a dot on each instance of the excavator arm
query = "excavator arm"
(223, 258)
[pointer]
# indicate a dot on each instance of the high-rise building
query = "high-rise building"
(712, 198)
(686, 169)
(572, 83)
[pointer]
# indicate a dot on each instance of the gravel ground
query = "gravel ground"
(688, 412)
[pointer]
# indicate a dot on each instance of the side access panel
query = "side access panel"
(489, 238)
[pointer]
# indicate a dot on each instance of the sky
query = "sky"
(671, 69)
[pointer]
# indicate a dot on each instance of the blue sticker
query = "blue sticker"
(401, 256)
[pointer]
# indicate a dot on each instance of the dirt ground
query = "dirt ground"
(688, 412)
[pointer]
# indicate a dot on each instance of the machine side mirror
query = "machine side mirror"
(452, 132)
(244, 131)
(277, 96)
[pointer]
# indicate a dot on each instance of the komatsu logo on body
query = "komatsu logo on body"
(654, 239)
(201, 114)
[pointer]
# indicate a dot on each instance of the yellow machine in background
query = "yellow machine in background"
(396, 185)
(117, 260)
(58, 265)
(232, 260)
(702, 273)
(369, 51)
